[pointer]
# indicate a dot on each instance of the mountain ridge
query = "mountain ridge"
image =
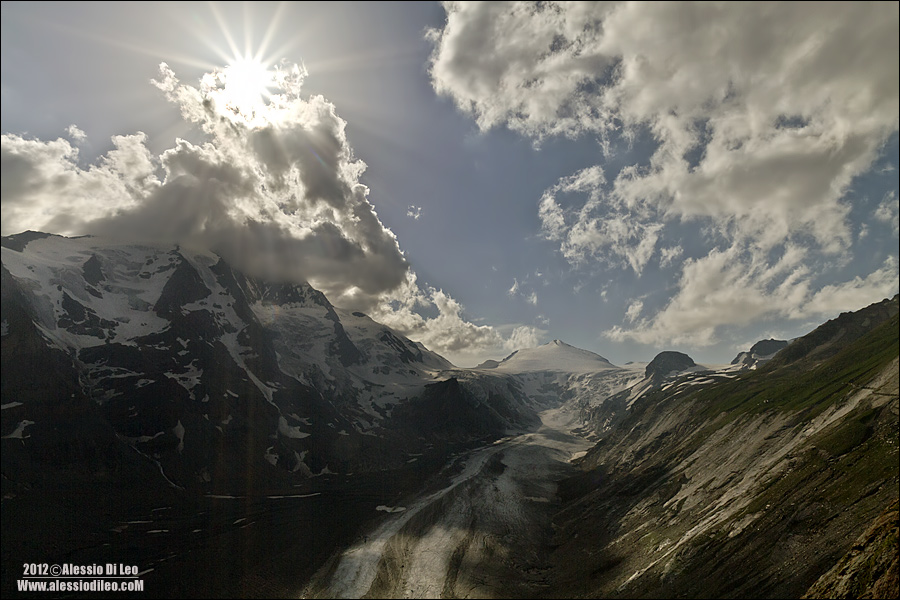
(186, 401)
(555, 355)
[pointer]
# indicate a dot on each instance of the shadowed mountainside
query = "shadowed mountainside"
(753, 487)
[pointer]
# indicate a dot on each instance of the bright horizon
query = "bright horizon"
(623, 178)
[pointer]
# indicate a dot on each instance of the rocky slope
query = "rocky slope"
(870, 567)
(141, 380)
(749, 487)
(231, 436)
(174, 354)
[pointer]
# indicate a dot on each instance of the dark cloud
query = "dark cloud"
(277, 193)
(274, 189)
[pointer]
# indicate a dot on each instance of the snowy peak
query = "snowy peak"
(556, 356)
(177, 354)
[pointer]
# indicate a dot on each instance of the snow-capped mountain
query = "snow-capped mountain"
(589, 386)
(555, 356)
(209, 374)
(154, 399)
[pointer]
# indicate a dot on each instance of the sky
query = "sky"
(626, 177)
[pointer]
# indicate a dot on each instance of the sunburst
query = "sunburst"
(246, 85)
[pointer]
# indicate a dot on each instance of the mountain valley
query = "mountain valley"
(239, 437)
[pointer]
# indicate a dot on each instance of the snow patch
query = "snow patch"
(288, 431)
(19, 432)
(178, 430)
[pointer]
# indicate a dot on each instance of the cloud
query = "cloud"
(44, 188)
(733, 288)
(600, 229)
(448, 332)
(414, 212)
(522, 336)
(514, 289)
(274, 189)
(759, 118)
(888, 211)
(76, 134)
(277, 194)
(668, 256)
(634, 310)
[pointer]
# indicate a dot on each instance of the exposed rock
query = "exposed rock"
(18, 241)
(760, 353)
(93, 271)
(749, 487)
(869, 569)
(668, 361)
(833, 336)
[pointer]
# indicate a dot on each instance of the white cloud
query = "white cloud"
(780, 118)
(634, 310)
(514, 289)
(448, 333)
(522, 336)
(735, 288)
(888, 211)
(414, 212)
(76, 134)
(276, 194)
(668, 256)
(599, 229)
(761, 115)
(854, 294)
(44, 188)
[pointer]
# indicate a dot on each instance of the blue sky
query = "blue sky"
(628, 178)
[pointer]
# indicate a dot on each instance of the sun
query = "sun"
(246, 85)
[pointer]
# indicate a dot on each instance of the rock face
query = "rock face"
(666, 362)
(750, 486)
(162, 409)
(208, 374)
(142, 381)
(869, 569)
(759, 354)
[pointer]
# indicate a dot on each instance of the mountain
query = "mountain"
(553, 356)
(834, 336)
(668, 362)
(147, 376)
(759, 354)
(870, 567)
(750, 485)
(235, 436)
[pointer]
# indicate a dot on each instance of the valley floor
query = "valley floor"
(486, 533)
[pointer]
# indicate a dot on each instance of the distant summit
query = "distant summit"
(552, 356)
(759, 354)
(666, 362)
(488, 364)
